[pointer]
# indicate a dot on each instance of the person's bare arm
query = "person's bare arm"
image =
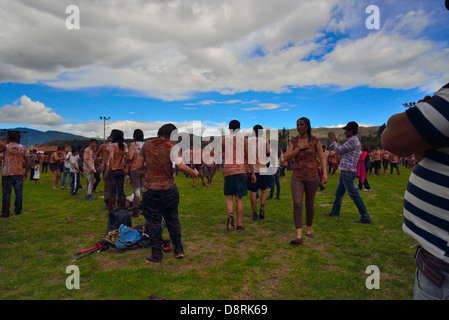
(401, 138)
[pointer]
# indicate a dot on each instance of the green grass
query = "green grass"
(259, 263)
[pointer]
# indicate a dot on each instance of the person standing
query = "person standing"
(424, 131)
(56, 162)
(66, 169)
(89, 167)
(362, 166)
(160, 193)
(394, 163)
(103, 156)
(304, 150)
(385, 160)
(15, 161)
(136, 175)
(116, 169)
(74, 172)
(350, 153)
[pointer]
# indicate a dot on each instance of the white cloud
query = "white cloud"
(27, 111)
(263, 106)
(173, 49)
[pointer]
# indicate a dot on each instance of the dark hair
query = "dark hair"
(117, 136)
(234, 125)
(307, 122)
(166, 130)
(93, 140)
(138, 135)
(256, 129)
(365, 148)
(13, 136)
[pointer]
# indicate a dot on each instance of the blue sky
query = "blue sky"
(146, 63)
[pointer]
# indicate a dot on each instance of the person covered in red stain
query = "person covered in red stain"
(15, 161)
(160, 193)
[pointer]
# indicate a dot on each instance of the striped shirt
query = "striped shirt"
(426, 200)
(350, 153)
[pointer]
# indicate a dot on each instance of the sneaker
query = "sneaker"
(330, 214)
(255, 217)
(240, 228)
(262, 213)
(364, 221)
(230, 224)
(297, 241)
(179, 254)
(153, 259)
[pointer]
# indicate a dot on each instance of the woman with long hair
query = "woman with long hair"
(116, 174)
(304, 150)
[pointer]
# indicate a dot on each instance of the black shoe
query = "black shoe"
(240, 228)
(230, 224)
(365, 221)
(330, 214)
(255, 218)
(296, 241)
(153, 259)
(262, 213)
(179, 254)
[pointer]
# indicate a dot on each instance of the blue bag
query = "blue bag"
(127, 237)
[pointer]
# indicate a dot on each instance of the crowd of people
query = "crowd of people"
(117, 163)
(151, 167)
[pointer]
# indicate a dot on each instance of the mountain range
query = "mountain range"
(31, 137)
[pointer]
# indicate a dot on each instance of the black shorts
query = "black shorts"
(235, 185)
(262, 183)
(54, 167)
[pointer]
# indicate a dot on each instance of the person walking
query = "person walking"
(350, 153)
(258, 153)
(304, 149)
(234, 148)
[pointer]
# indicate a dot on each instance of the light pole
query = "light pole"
(409, 105)
(104, 127)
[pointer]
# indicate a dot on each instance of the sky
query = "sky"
(66, 63)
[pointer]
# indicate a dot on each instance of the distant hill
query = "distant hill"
(30, 137)
(367, 135)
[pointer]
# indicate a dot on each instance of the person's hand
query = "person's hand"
(253, 178)
(324, 179)
(195, 173)
(331, 136)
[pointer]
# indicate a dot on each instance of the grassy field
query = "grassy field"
(259, 263)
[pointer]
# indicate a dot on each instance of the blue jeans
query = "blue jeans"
(9, 182)
(346, 183)
(66, 171)
(425, 290)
